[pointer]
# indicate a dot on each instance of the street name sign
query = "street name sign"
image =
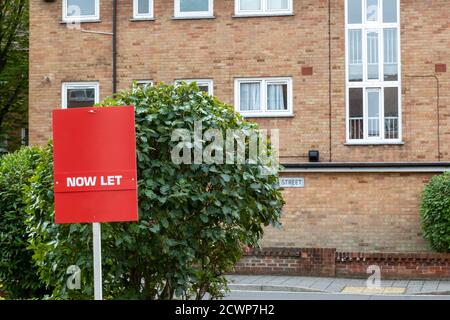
(292, 182)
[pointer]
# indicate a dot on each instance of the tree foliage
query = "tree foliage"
(13, 70)
(194, 219)
(435, 212)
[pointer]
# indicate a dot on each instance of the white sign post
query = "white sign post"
(97, 242)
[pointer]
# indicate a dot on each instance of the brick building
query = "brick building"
(364, 82)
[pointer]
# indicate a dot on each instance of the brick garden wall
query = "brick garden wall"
(330, 263)
(289, 261)
(394, 265)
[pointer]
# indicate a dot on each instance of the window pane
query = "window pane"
(204, 88)
(391, 113)
(391, 102)
(390, 55)
(250, 96)
(80, 8)
(277, 97)
(80, 97)
(202, 85)
(143, 6)
(354, 11)
(372, 10)
(250, 5)
(389, 10)
(194, 5)
(355, 66)
(373, 112)
(277, 4)
(143, 84)
(372, 56)
(356, 113)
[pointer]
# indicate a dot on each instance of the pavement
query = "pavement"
(279, 295)
(295, 284)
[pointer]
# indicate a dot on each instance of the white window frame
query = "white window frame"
(193, 14)
(81, 18)
(378, 26)
(264, 10)
(200, 82)
(263, 112)
(78, 85)
(143, 16)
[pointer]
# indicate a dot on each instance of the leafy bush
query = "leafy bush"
(435, 212)
(194, 220)
(17, 272)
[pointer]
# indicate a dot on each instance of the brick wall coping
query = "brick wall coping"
(392, 257)
(351, 256)
(274, 252)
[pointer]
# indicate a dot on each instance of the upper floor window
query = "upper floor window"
(205, 85)
(81, 10)
(142, 9)
(79, 94)
(144, 83)
(263, 97)
(373, 71)
(194, 8)
(263, 7)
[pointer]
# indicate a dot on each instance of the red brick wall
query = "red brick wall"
(289, 261)
(316, 262)
(270, 260)
(329, 263)
(394, 265)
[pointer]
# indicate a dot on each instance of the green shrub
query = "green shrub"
(17, 272)
(435, 212)
(193, 219)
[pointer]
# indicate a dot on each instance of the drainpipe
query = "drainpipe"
(329, 84)
(114, 47)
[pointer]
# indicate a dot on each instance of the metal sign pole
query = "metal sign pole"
(97, 242)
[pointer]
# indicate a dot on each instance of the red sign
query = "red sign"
(95, 176)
